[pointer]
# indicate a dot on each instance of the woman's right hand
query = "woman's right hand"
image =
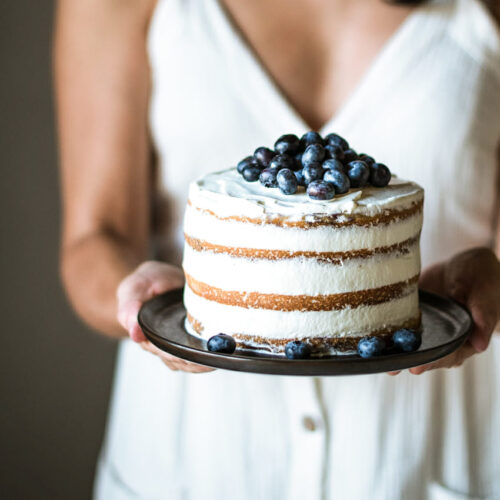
(150, 279)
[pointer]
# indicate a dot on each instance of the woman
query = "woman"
(417, 87)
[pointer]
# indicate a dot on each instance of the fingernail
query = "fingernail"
(131, 323)
(480, 344)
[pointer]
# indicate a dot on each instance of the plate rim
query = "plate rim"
(266, 363)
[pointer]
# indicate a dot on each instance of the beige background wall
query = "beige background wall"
(55, 375)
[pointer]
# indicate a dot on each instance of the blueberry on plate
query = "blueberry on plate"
(268, 177)
(369, 160)
(246, 162)
(296, 349)
(287, 182)
(221, 343)
(350, 155)
(315, 153)
(313, 172)
(310, 138)
(358, 173)
(369, 347)
(406, 340)
(339, 180)
(288, 143)
(264, 155)
(299, 175)
(337, 140)
(282, 161)
(252, 173)
(320, 190)
(380, 175)
(333, 151)
(332, 164)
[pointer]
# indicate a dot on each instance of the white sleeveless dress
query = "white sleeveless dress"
(429, 106)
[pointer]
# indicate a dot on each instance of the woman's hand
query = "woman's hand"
(472, 278)
(148, 280)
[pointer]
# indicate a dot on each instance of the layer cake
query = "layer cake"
(268, 268)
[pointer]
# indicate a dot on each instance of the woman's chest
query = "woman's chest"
(315, 52)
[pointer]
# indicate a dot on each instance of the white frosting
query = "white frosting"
(226, 193)
(300, 276)
(237, 234)
(220, 318)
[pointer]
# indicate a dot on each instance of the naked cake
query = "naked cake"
(268, 267)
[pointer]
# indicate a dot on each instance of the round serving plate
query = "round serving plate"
(445, 326)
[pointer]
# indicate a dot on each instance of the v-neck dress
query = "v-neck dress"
(428, 106)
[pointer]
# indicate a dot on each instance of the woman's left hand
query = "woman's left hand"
(472, 278)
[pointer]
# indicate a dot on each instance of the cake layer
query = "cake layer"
(216, 317)
(204, 227)
(300, 275)
(304, 303)
(332, 257)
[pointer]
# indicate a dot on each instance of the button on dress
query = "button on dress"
(429, 107)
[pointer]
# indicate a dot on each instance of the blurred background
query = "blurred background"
(55, 374)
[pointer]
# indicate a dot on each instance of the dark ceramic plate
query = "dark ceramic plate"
(445, 326)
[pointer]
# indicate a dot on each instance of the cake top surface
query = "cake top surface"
(226, 193)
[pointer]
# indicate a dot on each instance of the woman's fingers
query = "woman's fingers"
(173, 362)
(484, 314)
(453, 360)
(149, 279)
(132, 292)
(432, 279)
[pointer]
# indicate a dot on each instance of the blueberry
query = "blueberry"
(221, 343)
(367, 159)
(333, 151)
(310, 138)
(298, 159)
(337, 140)
(297, 350)
(380, 175)
(287, 182)
(321, 190)
(333, 164)
(299, 175)
(313, 172)
(368, 347)
(406, 340)
(313, 154)
(358, 173)
(251, 173)
(264, 156)
(297, 163)
(350, 155)
(268, 177)
(246, 162)
(339, 180)
(288, 143)
(282, 161)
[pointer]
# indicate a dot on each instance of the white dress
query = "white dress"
(429, 106)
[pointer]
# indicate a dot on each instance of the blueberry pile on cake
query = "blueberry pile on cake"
(305, 248)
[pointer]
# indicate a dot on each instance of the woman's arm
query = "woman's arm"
(102, 87)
